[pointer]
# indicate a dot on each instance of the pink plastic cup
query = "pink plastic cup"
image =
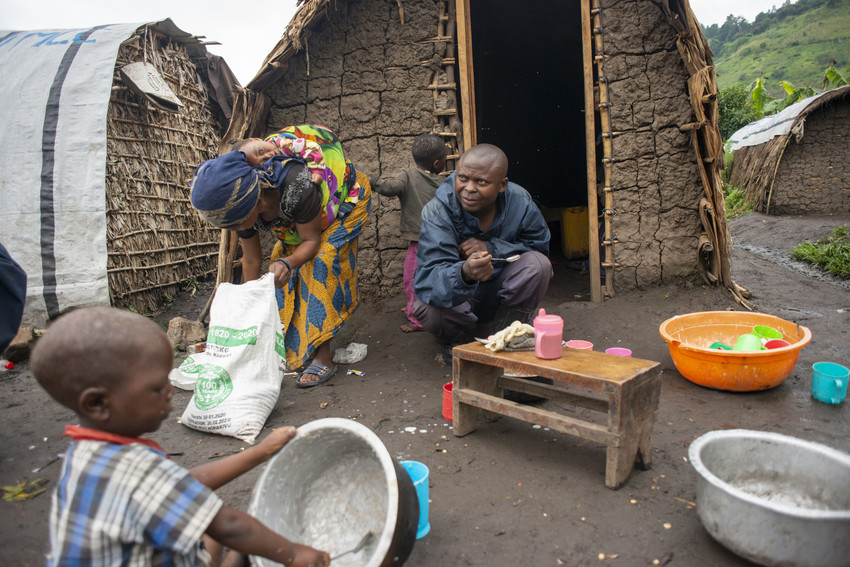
(618, 351)
(548, 335)
(580, 345)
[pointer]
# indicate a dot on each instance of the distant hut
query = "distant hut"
(798, 160)
(606, 109)
(103, 128)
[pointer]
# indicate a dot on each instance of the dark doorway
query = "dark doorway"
(529, 94)
(527, 61)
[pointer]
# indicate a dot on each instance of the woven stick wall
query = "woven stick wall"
(156, 242)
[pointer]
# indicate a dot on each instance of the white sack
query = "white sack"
(238, 382)
(185, 376)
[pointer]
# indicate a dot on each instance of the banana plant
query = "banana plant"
(832, 78)
(759, 98)
(792, 95)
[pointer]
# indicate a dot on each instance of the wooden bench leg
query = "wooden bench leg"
(651, 397)
(633, 415)
(472, 376)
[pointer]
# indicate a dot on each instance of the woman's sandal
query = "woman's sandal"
(323, 372)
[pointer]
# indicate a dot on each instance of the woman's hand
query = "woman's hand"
(282, 270)
(316, 178)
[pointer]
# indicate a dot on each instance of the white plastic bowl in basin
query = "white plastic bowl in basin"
(773, 499)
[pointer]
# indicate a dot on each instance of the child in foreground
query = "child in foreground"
(414, 187)
(119, 499)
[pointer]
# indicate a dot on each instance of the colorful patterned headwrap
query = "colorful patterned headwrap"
(226, 189)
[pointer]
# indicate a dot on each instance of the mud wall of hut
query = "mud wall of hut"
(656, 183)
(814, 172)
(365, 80)
(364, 75)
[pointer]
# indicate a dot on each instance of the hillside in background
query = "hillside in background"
(793, 43)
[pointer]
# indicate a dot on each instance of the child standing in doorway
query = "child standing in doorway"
(414, 187)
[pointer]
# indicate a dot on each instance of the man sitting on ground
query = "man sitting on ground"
(477, 218)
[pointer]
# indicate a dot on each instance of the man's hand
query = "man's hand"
(477, 267)
(469, 247)
(275, 440)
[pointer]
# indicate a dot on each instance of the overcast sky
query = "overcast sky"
(247, 32)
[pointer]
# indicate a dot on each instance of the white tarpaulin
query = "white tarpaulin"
(54, 96)
(779, 124)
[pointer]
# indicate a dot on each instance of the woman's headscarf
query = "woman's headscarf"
(226, 189)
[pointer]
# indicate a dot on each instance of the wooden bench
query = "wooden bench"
(626, 389)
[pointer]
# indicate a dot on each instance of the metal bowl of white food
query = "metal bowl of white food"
(329, 486)
(773, 499)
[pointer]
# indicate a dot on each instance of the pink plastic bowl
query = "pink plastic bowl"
(581, 345)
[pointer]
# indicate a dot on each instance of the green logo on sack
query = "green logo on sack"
(279, 345)
(227, 337)
(189, 366)
(213, 386)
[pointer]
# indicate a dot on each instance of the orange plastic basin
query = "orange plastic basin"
(689, 336)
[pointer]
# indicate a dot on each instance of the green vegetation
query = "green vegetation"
(191, 285)
(736, 205)
(831, 253)
(734, 199)
(735, 110)
(785, 55)
(792, 43)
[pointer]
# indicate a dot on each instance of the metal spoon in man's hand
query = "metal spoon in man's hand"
(509, 259)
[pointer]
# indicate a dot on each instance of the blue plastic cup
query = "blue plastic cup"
(829, 382)
(419, 475)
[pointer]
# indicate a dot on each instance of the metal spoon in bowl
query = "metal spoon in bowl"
(360, 545)
(509, 259)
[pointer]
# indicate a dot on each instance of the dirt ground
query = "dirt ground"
(509, 493)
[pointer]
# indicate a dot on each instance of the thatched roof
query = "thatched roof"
(295, 38)
(759, 146)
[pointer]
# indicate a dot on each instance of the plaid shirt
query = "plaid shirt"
(127, 505)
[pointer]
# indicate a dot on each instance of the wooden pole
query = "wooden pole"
(607, 152)
(465, 70)
(590, 151)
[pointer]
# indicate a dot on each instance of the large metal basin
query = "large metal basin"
(773, 499)
(330, 485)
